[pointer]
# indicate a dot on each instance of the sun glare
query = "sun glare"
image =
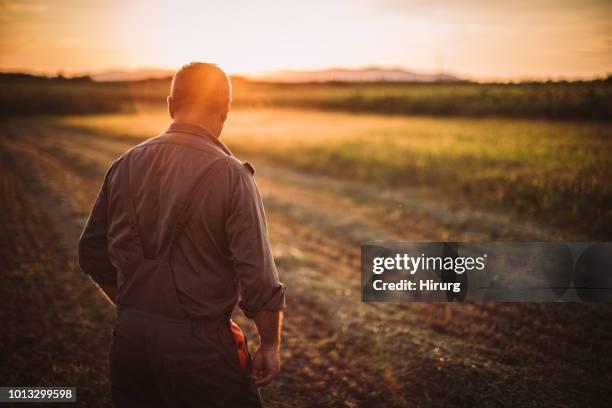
(475, 41)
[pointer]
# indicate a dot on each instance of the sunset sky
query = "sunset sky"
(476, 39)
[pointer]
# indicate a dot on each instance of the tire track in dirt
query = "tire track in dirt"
(53, 331)
(407, 214)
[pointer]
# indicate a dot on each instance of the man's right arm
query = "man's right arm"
(93, 247)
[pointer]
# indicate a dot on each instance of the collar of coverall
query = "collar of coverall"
(198, 130)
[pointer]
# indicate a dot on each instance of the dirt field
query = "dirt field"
(337, 351)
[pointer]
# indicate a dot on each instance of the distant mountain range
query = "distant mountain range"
(369, 74)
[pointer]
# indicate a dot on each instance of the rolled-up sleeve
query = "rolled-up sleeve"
(93, 246)
(246, 229)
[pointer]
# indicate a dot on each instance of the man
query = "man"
(176, 235)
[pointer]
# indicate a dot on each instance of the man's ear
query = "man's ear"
(224, 115)
(170, 106)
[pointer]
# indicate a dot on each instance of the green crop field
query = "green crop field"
(562, 100)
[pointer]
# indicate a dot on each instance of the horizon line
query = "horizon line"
(260, 75)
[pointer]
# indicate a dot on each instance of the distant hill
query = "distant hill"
(369, 74)
(131, 75)
(22, 77)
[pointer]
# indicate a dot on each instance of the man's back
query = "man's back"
(224, 237)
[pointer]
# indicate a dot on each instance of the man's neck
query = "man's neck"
(212, 126)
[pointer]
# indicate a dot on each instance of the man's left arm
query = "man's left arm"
(93, 247)
(262, 294)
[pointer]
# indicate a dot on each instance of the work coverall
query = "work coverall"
(179, 227)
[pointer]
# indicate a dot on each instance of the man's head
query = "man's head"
(200, 93)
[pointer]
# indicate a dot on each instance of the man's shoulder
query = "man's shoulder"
(118, 161)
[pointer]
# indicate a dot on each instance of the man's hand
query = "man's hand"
(266, 360)
(266, 365)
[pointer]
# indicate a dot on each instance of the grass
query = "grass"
(557, 172)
